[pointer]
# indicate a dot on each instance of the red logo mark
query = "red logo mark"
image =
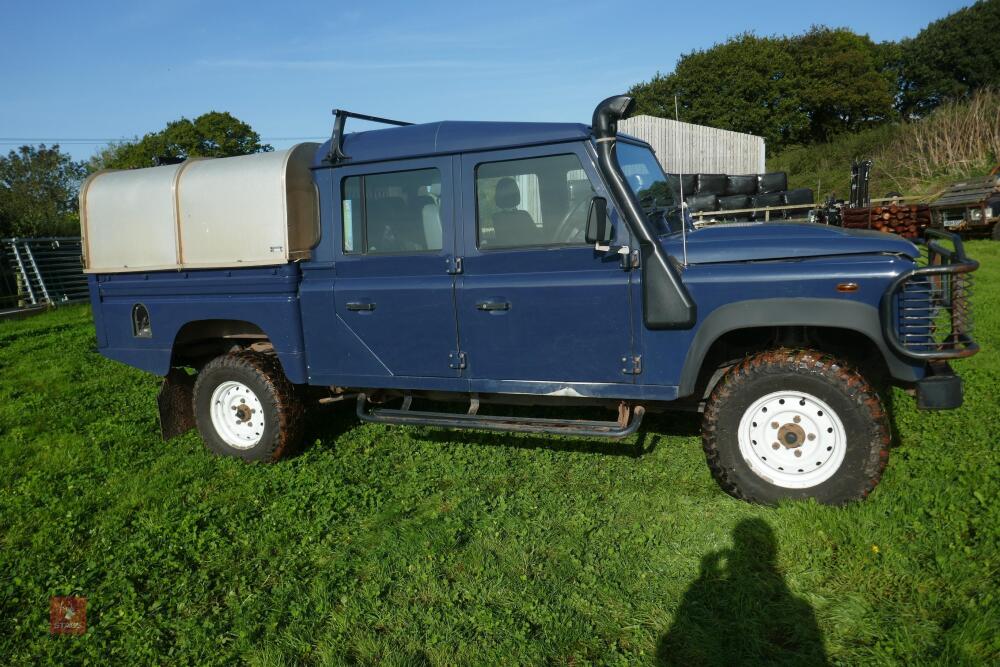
(68, 615)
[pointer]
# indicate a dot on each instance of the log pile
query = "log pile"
(909, 221)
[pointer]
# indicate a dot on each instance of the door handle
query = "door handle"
(493, 305)
(358, 305)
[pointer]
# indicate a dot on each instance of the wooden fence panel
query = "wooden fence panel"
(692, 149)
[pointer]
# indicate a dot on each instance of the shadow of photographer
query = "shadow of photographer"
(740, 611)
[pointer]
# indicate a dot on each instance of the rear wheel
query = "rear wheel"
(996, 231)
(246, 407)
(794, 424)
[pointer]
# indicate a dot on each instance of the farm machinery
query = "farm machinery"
(970, 208)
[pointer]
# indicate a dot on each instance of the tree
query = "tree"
(214, 134)
(950, 58)
(790, 90)
(38, 192)
(740, 85)
(843, 80)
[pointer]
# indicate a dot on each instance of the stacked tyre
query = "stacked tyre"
(740, 192)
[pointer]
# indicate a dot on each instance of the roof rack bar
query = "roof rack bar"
(375, 119)
(336, 153)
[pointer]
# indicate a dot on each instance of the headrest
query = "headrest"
(507, 194)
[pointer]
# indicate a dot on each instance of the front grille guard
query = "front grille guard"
(926, 313)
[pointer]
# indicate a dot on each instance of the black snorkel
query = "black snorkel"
(666, 302)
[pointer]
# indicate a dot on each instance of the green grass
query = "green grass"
(418, 546)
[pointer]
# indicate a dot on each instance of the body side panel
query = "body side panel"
(265, 297)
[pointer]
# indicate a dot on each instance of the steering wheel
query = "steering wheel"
(561, 235)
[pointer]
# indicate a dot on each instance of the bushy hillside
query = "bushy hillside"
(958, 140)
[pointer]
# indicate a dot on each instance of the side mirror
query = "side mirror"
(598, 225)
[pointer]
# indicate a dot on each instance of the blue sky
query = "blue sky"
(106, 70)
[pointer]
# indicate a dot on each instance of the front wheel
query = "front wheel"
(795, 424)
(245, 407)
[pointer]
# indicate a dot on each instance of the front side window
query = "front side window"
(533, 202)
(399, 212)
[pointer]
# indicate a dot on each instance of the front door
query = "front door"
(394, 289)
(537, 305)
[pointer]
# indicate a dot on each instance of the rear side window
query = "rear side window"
(398, 212)
(540, 201)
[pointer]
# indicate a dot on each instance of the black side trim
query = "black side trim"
(830, 313)
(665, 301)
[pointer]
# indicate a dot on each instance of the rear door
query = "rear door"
(536, 303)
(394, 285)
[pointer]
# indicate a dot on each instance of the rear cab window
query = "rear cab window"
(392, 213)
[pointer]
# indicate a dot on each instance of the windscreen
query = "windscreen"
(644, 175)
(653, 188)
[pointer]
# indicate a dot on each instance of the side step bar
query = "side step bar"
(622, 428)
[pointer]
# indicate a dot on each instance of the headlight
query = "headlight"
(976, 214)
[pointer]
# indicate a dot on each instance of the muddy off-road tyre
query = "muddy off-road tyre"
(795, 424)
(996, 232)
(245, 407)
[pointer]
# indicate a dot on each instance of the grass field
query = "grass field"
(415, 546)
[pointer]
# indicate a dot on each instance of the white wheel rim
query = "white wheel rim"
(237, 415)
(810, 438)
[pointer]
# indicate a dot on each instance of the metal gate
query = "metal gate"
(42, 271)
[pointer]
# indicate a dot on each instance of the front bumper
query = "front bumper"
(941, 388)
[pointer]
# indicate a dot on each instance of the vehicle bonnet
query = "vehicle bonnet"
(747, 242)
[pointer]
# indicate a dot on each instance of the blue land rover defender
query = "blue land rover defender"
(479, 263)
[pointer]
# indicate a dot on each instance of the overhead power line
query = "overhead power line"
(85, 141)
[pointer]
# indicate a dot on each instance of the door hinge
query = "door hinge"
(456, 360)
(454, 265)
(628, 259)
(632, 365)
